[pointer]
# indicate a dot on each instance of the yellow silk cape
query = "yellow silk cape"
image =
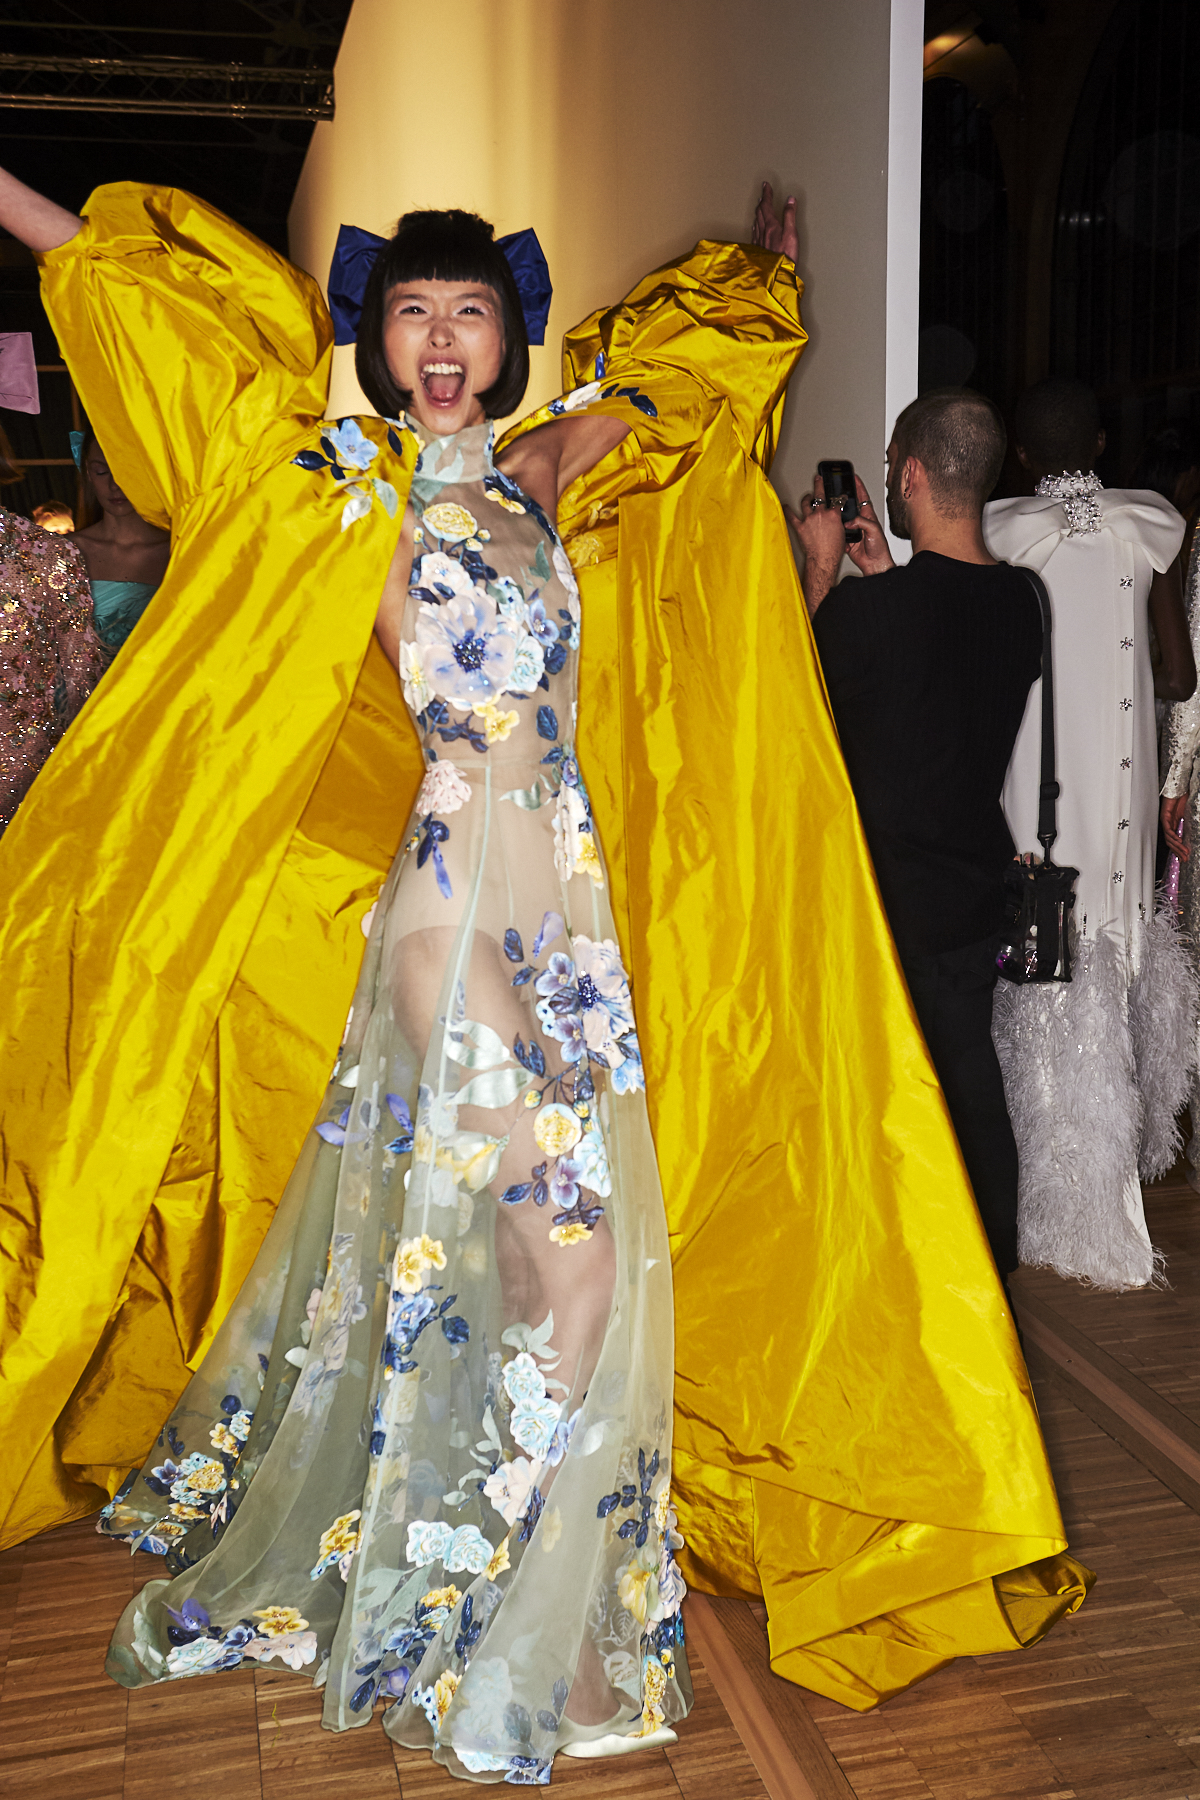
(185, 886)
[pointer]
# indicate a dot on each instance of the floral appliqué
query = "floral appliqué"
(347, 455)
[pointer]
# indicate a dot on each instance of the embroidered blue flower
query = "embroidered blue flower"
(543, 629)
(350, 446)
(345, 453)
(466, 650)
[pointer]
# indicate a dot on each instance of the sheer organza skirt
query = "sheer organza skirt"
(427, 1457)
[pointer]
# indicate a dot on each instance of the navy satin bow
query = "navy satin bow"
(354, 258)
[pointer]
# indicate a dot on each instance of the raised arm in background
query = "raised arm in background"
(32, 219)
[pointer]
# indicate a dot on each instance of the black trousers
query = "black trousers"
(952, 995)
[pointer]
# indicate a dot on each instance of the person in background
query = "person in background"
(55, 517)
(126, 557)
(928, 667)
(1170, 464)
(50, 658)
(1096, 1069)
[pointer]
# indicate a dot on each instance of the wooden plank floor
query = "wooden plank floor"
(1107, 1708)
(1155, 1334)
(67, 1731)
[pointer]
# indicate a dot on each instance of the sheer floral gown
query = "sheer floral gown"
(428, 1454)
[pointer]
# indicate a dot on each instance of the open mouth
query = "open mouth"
(443, 382)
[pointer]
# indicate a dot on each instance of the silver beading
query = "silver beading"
(1076, 494)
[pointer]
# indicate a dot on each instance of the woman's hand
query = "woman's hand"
(771, 233)
(32, 219)
(1174, 807)
(823, 536)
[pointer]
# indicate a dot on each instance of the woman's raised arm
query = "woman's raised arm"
(547, 460)
(32, 219)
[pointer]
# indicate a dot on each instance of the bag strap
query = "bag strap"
(1048, 790)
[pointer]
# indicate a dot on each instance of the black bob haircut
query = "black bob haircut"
(441, 246)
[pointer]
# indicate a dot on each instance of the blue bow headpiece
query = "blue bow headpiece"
(354, 258)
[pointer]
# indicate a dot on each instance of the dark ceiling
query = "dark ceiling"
(218, 96)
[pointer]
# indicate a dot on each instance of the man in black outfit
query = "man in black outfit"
(928, 668)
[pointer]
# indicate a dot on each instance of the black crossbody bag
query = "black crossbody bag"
(1038, 897)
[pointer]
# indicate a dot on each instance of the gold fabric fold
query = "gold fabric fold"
(187, 881)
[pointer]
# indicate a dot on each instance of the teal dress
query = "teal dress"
(117, 606)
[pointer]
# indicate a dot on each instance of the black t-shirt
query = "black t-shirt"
(928, 668)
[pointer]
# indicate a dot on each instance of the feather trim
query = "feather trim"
(1071, 1055)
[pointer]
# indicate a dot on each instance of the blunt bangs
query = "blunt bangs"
(441, 246)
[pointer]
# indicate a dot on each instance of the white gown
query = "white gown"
(1095, 1070)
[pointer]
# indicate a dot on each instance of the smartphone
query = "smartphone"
(840, 491)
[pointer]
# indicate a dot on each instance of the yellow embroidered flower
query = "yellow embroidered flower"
(566, 1235)
(533, 1098)
(512, 506)
(408, 1270)
(342, 1537)
(431, 1250)
(443, 1692)
(450, 522)
(551, 1529)
(557, 1130)
(445, 1596)
(497, 724)
(585, 550)
(662, 1508)
(413, 1257)
(478, 1161)
(179, 1509)
(222, 1439)
(633, 1591)
(473, 543)
(499, 1561)
(654, 1682)
(587, 858)
(209, 1478)
(474, 1259)
(276, 1620)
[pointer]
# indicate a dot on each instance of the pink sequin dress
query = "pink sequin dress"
(50, 656)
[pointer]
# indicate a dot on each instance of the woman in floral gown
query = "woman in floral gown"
(427, 1456)
(450, 1490)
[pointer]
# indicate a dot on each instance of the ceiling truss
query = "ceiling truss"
(164, 84)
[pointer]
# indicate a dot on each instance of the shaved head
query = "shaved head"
(959, 439)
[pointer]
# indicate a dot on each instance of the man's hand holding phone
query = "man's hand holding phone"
(822, 534)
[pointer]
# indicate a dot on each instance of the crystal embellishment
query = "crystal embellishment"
(1076, 494)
